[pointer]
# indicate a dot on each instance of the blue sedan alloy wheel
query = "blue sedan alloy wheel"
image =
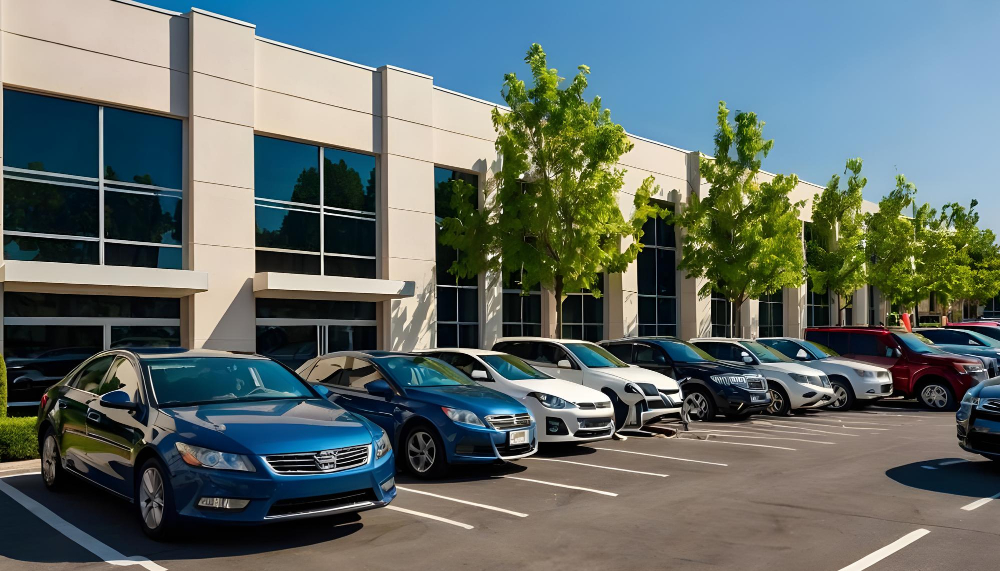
(154, 501)
(425, 455)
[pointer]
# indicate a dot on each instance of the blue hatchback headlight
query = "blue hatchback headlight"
(208, 458)
(382, 446)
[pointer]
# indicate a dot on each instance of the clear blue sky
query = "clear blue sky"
(909, 86)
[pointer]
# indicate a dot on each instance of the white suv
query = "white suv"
(639, 396)
(852, 380)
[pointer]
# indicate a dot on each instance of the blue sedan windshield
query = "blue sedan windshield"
(423, 372)
(203, 380)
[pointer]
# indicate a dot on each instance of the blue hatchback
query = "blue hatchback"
(212, 436)
(436, 415)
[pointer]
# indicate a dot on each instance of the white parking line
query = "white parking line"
(468, 503)
(797, 427)
(980, 503)
(873, 558)
(429, 516)
(735, 443)
(951, 462)
(597, 466)
(593, 491)
(809, 422)
(928, 467)
(78, 536)
(727, 434)
(659, 456)
(848, 419)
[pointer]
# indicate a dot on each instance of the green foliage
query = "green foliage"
(889, 243)
(977, 256)
(553, 211)
(744, 238)
(3, 388)
(834, 254)
(18, 440)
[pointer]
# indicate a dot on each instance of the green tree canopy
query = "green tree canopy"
(835, 254)
(554, 213)
(744, 238)
(889, 243)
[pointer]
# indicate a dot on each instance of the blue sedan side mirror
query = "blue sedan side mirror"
(322, 391)
(379, 388)
(119, 400)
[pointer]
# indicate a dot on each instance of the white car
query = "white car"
(563, 411)
(791, 385)
(852, 380)
(638, 396)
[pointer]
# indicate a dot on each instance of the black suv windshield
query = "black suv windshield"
(683, 352)
(918, 344)
(512, 368)
(205, 380)
(423, 372)
(593, 356)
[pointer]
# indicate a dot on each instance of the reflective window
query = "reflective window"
(583, 315)
(295, 330)
(771, 314)
(457, 298)
(123, 377)
(522, 312)
(145, 336)
(722, 316)
(53, 183)
(817, 307)
(302, 230)
(657, 273)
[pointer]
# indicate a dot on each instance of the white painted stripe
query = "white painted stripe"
(735, 443)
(928, 467)
(848, 420)
(797, 427)
(952, 462)
(809, 422)
(468, 503)
(88, 542)
(601, 467)
(659, 456)
(31, 470)
(980, 503)
(35, 473)
(591, 490)
(429, 516)
(873, 558)
(783, 430)
(727, 434)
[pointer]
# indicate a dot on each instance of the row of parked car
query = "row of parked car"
(227, 437)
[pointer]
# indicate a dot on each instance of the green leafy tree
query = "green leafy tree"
(553, 213)
(937, 263)
(889, 243)
(835, 254)
(978, 264)
(744, 238)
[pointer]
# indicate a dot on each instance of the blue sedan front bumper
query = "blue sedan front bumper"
(275, 497)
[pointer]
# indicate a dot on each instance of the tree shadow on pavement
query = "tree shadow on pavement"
(977, 479)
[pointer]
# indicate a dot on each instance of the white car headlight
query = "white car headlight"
(551, 401)
(463, 416)
(382, 446)
(801, 379)
(863, 373)
(208, 458)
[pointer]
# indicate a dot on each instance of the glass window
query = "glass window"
(722, 316)
(583, 314)
(142, 148)
(839, 341)
(522, 312)
(423, 372)
(286, 171)
(817, 307)
(143, 217)
(684, 352)
(349, 235)
(145, 336)
(595, 356)
(771, 315)
(287, 229)
(29, 248)
(349, 180)
(513, 368)
(49, 134)
(50, 351)
(142, 256)
(20, 304)
(763, 353)
(286, 262)
(91, 376)
(621, 350)
(789, 349)
(916, 344)
(49, 208)
(657, 274)
(646, 355)
(123, 377)
(200, 380)
(457, 298)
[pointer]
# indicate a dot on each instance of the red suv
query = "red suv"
(936, 378)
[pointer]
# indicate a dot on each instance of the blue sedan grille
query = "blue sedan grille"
(322, 462)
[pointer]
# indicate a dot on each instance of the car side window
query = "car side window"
(839, 341)
(621, 350)
(92, 374)
(524, 350)
(713, 349)
(123, 377)
(868, 345)
(360, 373)
(463, 362)
(646, 355)
(788, 348)
(550, 353)
(326, 370)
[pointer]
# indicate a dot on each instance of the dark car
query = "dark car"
(978, 420)
(210, 436)
(987, 328)
(711, 387)
(964, 342)
(936, 378)
(431, 410)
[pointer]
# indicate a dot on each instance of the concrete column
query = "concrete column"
(406, 166)
(860, 303)
(750, 319)
(694, 313)
(220, 201)
(794, 303)
(548, 313)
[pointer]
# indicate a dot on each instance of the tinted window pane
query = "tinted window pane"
(447, 335)
(287, 263)
(352, 337)
(649, 231)
(445, 257)
(344, 235)
(646, 267)
(52, 349)
(17, 304)
(443, 191)
(839, 342)
(50, 250)
(647, 310)
(50, 208)
(349, 267)
(349, 180)
(287, 229)
(572, 332)
(665, 283)
(50, 134)
(593, 333)
(513, 331)
(511, 307)
(666, 309)
(533, 309)
(284, 170)
(145, 336)
(142, 256)
(447, 304)
(670, 330)
(573, 309)
(468, 336)
(468, 305)
(664, 233)
(142, 148)
(291, 345)
(593, 309)
(142, 217)
(315, 309)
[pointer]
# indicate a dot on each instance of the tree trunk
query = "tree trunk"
(559, 308)
(840, 312)
(737, 322)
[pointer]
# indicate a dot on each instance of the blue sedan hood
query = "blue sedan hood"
(270, 427)
(480, 400)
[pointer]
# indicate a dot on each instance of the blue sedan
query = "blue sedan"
(211, 436)
(435, 414)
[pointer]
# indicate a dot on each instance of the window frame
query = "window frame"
(655, 247)
(457, 287)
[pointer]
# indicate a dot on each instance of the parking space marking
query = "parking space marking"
(696, 439)
(980, 503)
(873, 558)
(809, 422)
(928, 467)
(729, 434)
(78, 536)
(599, 466)
(591, 490)
(847, 419)
(664, 457)
(430, 516)
(797, 427)
(468, 503)
(783, 430)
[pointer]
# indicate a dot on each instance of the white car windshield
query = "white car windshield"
(512, 368)
(594, 357)
(764, 354)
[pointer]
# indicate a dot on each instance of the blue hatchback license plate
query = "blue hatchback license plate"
(518, 437)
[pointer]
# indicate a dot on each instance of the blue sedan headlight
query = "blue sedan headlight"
(207, 458)
(461, 416)
(970, 400)
(382, 446)
(551, 401)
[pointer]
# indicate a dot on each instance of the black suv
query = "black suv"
(710, 386)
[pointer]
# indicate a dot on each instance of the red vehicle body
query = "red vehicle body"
(936, 378)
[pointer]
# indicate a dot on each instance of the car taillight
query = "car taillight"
(45, 400)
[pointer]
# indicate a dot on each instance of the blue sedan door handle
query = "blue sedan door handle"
(93, 415)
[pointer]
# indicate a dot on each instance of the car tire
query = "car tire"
(936, 395)
(843, 396)
(53, 474)
(620, 408)
(423, 453)
(154, 500)
(699, 405)
(780, 405)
